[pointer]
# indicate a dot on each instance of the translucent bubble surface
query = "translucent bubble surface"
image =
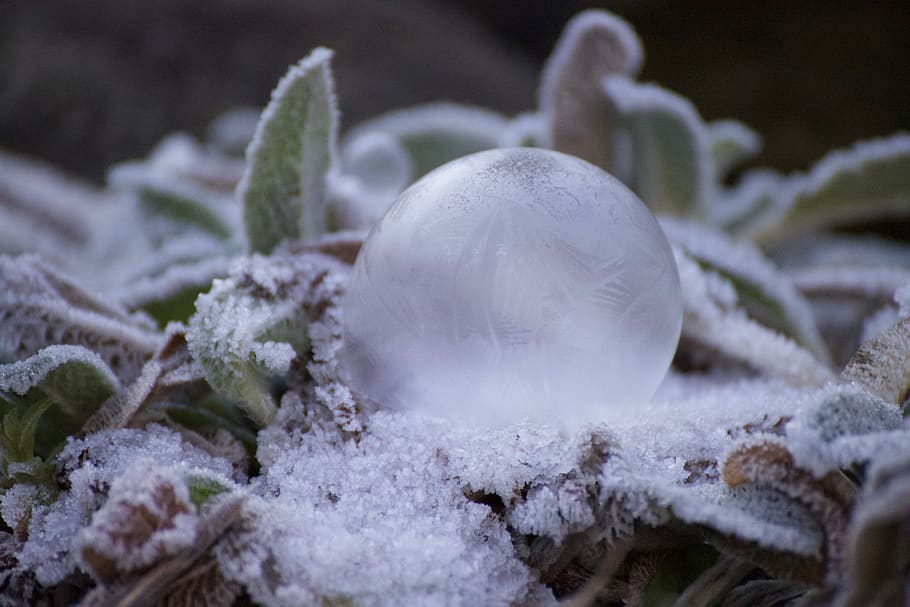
(510, 284)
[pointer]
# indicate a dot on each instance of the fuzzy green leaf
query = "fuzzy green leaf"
(74, 378)
(283, 188)
(39, 308)
(870, 180)
(731, 143)
(247, 330)
(712, 319)
(671, 166)
(766, 292)
(436, 133)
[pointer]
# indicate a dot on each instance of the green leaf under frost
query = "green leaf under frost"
(283, 186)
(671, 166)
(870, 180)
(577, 118)
(712, 319)
(39, 308)
(246, 331)
(73, 378)
(436, 133)
(731, 143)
(766, 292)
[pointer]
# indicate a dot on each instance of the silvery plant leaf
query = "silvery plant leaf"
(713, 319)
(65, 383)
(576, 117)
(46, 212)
(435, 133)
(40, 307)
(731, 143)
(283, 188)
(869, 181)
(668, 147)
(768, 294)
(251, 325)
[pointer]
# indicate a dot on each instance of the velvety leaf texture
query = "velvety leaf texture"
(283, 186)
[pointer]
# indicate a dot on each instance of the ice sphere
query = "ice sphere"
(509, 284)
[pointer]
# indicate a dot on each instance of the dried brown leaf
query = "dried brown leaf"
(882, 364)
(830, 499)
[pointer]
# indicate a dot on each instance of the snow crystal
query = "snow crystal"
(380, 521)
(510, 283)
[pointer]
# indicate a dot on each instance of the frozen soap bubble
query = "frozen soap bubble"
(509, 284)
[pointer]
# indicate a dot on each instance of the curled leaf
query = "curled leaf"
(577, 118)
(283, 188)
(731, 143)
(768, 463)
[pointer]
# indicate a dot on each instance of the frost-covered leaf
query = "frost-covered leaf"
(768, 463)
(577, 119)
(88, 467)
(43, 211)
(767, 293)
(73, 378)
(844, 426)
(669, 146)
(283, 188)
(40, 307)
(249, 328)
(232, 131)
(743, 208)
(869, 282)
(181, 202)
(878, 539)
(171, 295)
(868, 181)
(434, 134)
(882, 364)
(375, 167)
(147, 518)
(731, 143)
(710, 318)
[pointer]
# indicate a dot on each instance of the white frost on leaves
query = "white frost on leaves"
(41, 307)
(576, 117)
(774, 297)
(91, 465)
(843, 425)
(386, 517)
(23, 375)
(283, 187)
(671, 166)
(731, 143)
(866, 181)
(710, 320)
(147, 517)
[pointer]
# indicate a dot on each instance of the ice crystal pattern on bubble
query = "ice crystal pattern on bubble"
(513, 281)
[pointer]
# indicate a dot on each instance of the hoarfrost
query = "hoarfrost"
(91, 465)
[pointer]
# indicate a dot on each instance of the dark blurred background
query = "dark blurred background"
(86, 83)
